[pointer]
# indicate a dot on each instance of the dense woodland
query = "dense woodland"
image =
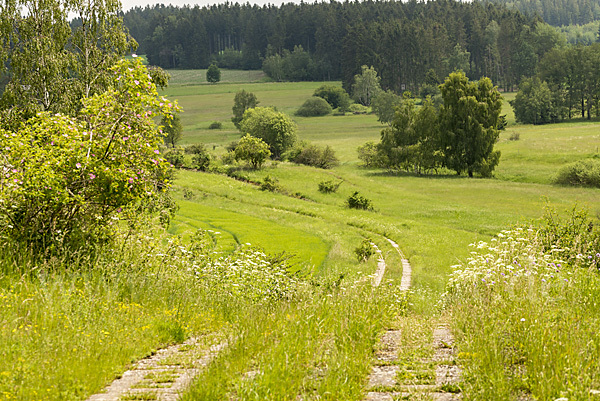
(557, 12)
(327, 41)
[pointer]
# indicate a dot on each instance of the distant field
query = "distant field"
(195, 77)
(433, 218)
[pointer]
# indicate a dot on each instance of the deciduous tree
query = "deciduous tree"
(273, 127)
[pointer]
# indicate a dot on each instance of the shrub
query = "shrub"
(228, 158)
(201, 161)
(515, 136)
(213, 74)
(65, 181)
(195, 149)
(357, 201)
(584, 173)
(275, 128)
(329, 186)
(175, 157)
(356, 108)
(370, 155)
(314, 107)
(215, 125)
(315, 156)
(253, 150)
(364, 251)
(336, 96)
(270, 184)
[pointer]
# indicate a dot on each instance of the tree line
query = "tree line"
(557, 12)
(566, 85)
(332, 40)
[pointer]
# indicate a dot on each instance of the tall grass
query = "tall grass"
(526, 316)
(71, 326)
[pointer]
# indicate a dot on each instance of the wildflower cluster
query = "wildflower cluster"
(249, 274)
(513, 257)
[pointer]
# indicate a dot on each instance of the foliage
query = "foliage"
(370, 156)
(215, 125)
(412, 140)
(357, 108)
(243, 101)
(365, 250)
(64, 181)
(582, 173)
(535, 104)
(172, 129)
(53, 66)
(297, 65)
(253, 150)
(329, 186)
(314, 107)
(336, 96)
(273, 127)
(329, 42)
(384, 106)
(357, 201)
(366, 85)
(469, 124)
(573, 80)
(201, 159)
(174, 157)
(313, 155)
(270, 184)
(213, 74)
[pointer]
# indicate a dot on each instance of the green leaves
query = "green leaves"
(65, 180)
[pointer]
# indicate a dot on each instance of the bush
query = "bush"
(314, 107)
(195, 149)
(329, 186)
(215, 125)
(315, 156)
(356, 108)
(270, 184)
(583, 173)
(61, 187)
(336, 96)
(175, 157)
(515, 136)
(253, 150)
(370, 155)
(213, 74)
(365, 250)
(228, 158)
(201, 161)
(275, 128)
(357, 201)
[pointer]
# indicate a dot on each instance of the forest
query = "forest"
(558, 12)
(331, 41)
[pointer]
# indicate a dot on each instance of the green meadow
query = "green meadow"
(69, 325)
(433, 218)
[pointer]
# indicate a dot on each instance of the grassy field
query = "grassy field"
(433, 218)
(410, 209)
(69, 326)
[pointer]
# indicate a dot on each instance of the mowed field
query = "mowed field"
(433, 218)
